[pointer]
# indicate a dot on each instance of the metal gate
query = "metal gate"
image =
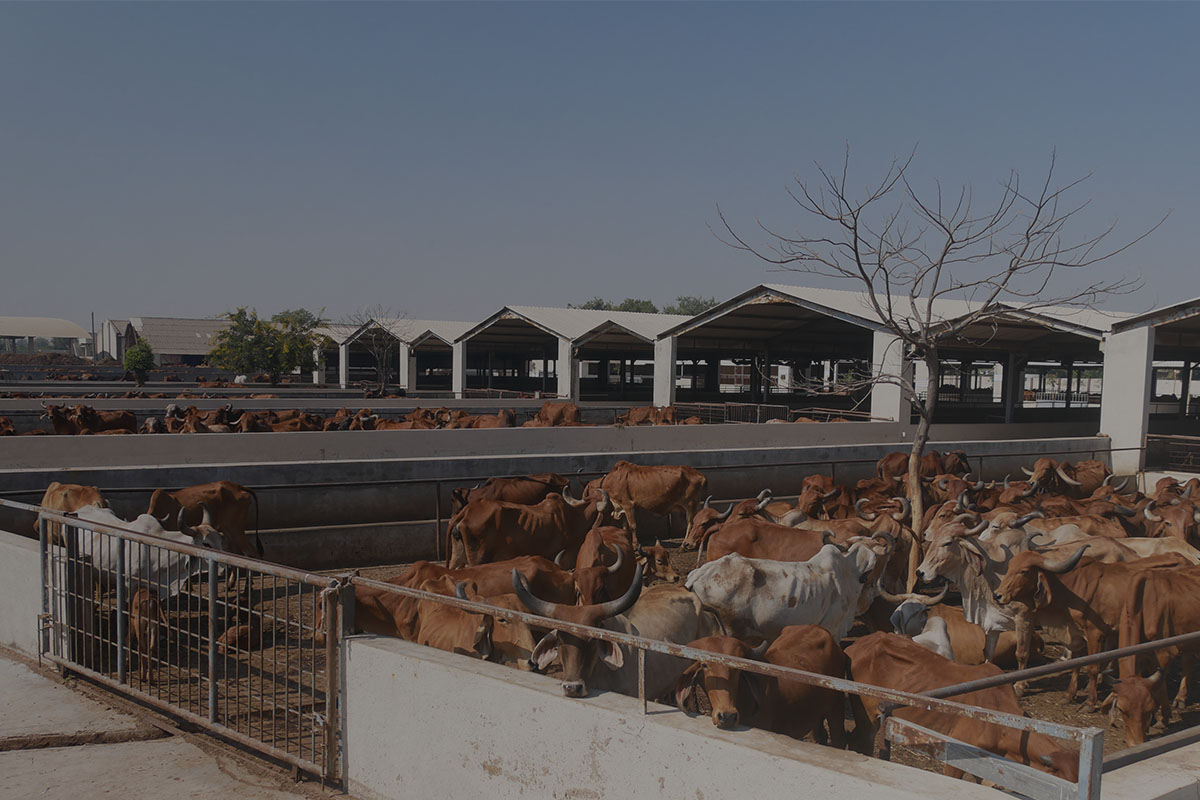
(244, 648)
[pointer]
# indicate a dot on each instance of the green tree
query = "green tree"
(139, 360)
(634, 304)
(690, 306)
(278, 346)
(595, 304)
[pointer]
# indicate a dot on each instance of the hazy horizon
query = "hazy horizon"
(448, 159)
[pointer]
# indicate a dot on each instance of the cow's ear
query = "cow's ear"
(610, 654)
(546, 651)
(483, 638)
(685, 687)
(1044, 595)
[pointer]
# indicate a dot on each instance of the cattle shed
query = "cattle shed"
(175, 340)
(20, 334)
(417, 352)
(523, 349)
(1154, 407)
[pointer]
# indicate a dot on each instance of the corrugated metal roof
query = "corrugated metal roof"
(406, 330)
(45, 327)
(572, 323)
(446, 330)
(178, 336)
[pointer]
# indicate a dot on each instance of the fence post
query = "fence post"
(122, 609)
(346, 608)
(212, 639)
(437, 528)
(44, 565)
(1091, 764)
(642, 678)
(331, 596)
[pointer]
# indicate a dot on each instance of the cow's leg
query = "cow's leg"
(837, 724)
(1024, 646)
(991, 639)
(1187, 661)
(1095, 644)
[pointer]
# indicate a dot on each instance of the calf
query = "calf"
(146, 618)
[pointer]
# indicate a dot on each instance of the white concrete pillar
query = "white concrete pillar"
(1125, 395)
(410, 371)
(344, 366)
(318, 373)
(997, 382)
(458, 368)
(887, 359)
(664, 371)
(403, 367)
(567, 371)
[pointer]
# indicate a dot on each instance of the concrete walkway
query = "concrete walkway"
(58, 743)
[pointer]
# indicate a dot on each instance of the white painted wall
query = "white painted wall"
(21, 601)
(664, 371)
(568, 370)
(423, 723)
(458, 368)
(1125, 400)
(887, 358)
(343, 365)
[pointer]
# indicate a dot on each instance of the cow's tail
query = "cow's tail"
(258, 545)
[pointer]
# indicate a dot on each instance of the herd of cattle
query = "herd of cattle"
(1066, 555)
(84, 420)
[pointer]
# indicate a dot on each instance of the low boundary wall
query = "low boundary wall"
(21, 598)
(420, 722)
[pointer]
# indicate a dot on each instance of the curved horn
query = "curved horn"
(888, 539)
(1064, 564)
(1187, 493)
(1006, 477)
(604, 503)
(933, 601)
(1155, 678)
(460, 590)
(1065, 477)
(764, 494)
(527, 598)
(1120, 486)
(625, 602)
(1148, 512)
(1030, 492)
(1108, 479)
(615, 567)
(707, 500)
(827, 538)
(832, 494)
(183, 526)
(1023, 520)
(1029, 537)
(942, 484)
(560, 559)
(725, 515)
(207, 518)
(763, 503)
(1027, 471)
(960, 503)
(566, 494)
(978, 529)
(760, 651)
(977, 485)
(964, 518)
(858, 509)
(905, 509)
(894, 598)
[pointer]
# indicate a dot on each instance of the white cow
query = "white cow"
(755, 596)
(165, 571)
(1009, 530)
(911, 618)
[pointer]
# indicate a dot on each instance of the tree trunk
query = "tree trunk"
(920, 439)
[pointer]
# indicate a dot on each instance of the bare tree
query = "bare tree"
(382, 329)
(909, 252)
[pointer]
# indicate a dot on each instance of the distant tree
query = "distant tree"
(595, 304)
(139, 359)
(690, 306)
(276, 346)
(381, 339)
(634, 304)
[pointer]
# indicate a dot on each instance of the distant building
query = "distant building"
(174, 340)
(34, 334)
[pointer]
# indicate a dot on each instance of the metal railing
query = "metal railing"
(981, 763)
(1173, 452)
(241, 647)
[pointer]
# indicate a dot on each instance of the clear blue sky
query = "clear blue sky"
(446, 159)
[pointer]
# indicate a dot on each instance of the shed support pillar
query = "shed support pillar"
(458, 368)
(664, 371)
(566, 369)
(405, 368)
(318, 374)
(887, 359)
(1125, 395)
(344, 366)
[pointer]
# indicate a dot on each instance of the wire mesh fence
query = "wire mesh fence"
(244, 648)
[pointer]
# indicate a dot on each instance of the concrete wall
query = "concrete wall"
(422, 723)
(1125, 409)
(21, 601)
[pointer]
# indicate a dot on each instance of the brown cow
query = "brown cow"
(1137, 699)
(895, 662)
(527, 490)
(756, 538)
(654, 489)
(776, 704)
(1177, 518)
(67, 498)
(494, 530)
(6, 427)
(61, 419)
(554, 413)
(479, 635)
(604, 565)
(146, 618)
(89, 419)
(505, 418)
(1161, 603)
(227, 502)
(656, 564)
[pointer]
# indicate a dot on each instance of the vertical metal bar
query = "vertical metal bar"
(331, 682)
(1091, 764)
(122, 608)
(642, 678)
(71, 581)
(212, 639)
(437, 531)
(43, 564)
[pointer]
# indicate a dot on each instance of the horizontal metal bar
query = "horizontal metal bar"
(229, 559)
(1151, 748)
(202, 721)
(838, 684)
(1063, 666)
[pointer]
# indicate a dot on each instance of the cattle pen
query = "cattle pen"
(278, 684)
